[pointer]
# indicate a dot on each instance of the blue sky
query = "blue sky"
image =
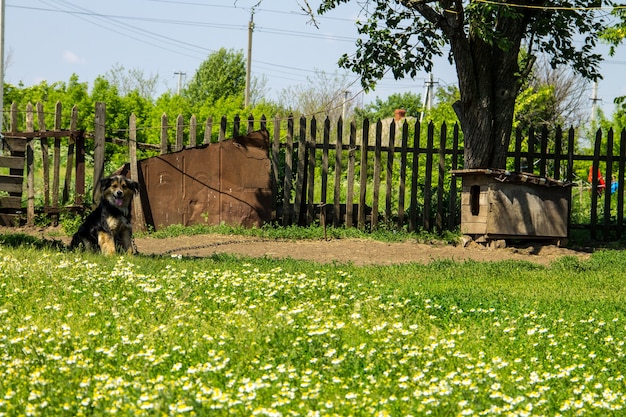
(52, 39)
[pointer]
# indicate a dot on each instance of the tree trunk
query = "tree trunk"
(488, 83)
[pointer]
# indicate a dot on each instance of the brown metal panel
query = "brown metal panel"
(226, 182)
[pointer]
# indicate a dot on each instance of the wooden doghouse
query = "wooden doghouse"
(500, 205)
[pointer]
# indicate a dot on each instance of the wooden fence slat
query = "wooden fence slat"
(138, 213)
(377, 171)
(403, 168)
(350, 176)
(56, 158)
(275, 163)
(363, 175)
(98, 150)
(301, 173)
(45, 161)
(389, 171)
(608, 175)
(311, 148)
(193, 126)
(30, 169)
(325, 150)
(288, 173)
(208, 130)
(414, 178)
(544, 151)
(337, 190)
(620, 184)
(180, 130)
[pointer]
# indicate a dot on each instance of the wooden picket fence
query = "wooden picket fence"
(393, 174)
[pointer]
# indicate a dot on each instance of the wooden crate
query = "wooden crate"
(498, 204)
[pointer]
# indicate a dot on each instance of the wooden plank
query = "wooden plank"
(275, 164)
(30, 169)
(12, 162)
(79, 197)
(10, 220)
(350, 177)
(13, 203)
(56, 158)
(287, 181)
(337, 192)
(71, 149)
(193, 126)
(300, 174)
(363, 174)
(15, 145)
(12, 184)
(389, 171)
(377, 171)
(208, 129)
(608, 176)
(45, 157)
(311, 145)
(99, 141)
(415, 178)
(180, 126)
(594, 184)
(403, 161)
(325, 148)
(39, 134)
(139, 218)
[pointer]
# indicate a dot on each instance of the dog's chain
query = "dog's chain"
(134, 245)
(209, 245)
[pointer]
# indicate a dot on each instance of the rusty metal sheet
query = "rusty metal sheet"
(228, 182)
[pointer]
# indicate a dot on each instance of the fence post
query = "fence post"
(350, 176)
(71, 156)
(45, 160)
(301, 172)
(208, 130)
(99, 140)
(389, 171)
(287, 184)
(180, 126)
(140, 220)
(608, 177)
(403, 162)
(311, 148)
(30, 169)
(440, 176)
(337, 191)
(193, 125)
(164, 138)
(363, 174)
(377, 170)
(275, 164)
(620, 184)
(415, 177)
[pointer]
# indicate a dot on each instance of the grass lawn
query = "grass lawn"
(81, 334)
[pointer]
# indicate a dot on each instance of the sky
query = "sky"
(52, 39)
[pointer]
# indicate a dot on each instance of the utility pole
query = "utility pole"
(594, 102)
(428, 96)
(2, 8)
(249, 59)
(180, 78)
(344, 108)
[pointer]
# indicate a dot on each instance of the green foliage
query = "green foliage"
(221, 76)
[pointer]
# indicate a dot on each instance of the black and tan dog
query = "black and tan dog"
(108, 227)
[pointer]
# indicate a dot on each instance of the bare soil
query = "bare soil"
(354, 251)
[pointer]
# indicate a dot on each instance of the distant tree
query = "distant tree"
(323, 95)
(552, 97)
(222, 74)
(131, 80)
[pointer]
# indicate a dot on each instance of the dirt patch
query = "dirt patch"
(355, 251)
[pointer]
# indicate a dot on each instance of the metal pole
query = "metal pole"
(2, 8)
(249, 61)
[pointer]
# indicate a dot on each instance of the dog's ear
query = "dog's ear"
(133, 185)
(105, 183)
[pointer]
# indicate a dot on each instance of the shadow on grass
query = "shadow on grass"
(21, 240)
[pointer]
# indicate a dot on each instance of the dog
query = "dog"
(108, 227)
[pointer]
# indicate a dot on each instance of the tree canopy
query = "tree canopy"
(485, 40)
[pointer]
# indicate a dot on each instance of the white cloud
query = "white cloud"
(71, 58)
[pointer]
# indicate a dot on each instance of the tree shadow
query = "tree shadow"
(22, 240)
